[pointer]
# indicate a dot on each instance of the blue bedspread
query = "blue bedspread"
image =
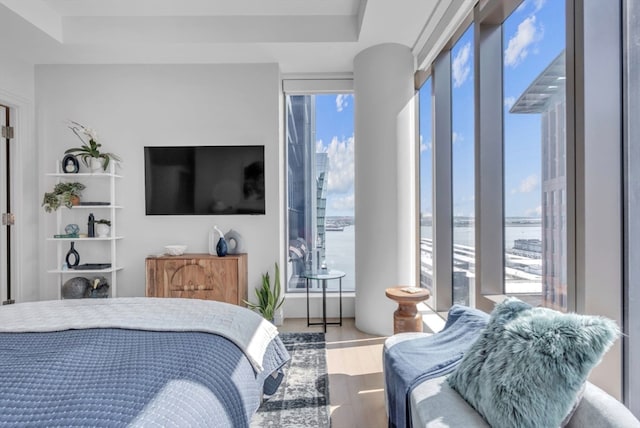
(117, 377)
(410, 362)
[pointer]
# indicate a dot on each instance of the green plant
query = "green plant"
(269, 300)
(62, 194)
(89, 149)
(103, 221)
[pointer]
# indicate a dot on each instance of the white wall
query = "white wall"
(132, 106)
(385, 204)
(17, 92)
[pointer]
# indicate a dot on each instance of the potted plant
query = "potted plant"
(269, 299)
(89, 151)
(103, 227)
(67, 194)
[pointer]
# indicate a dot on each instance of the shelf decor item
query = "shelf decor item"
(98, 288)
(75, 288)
(102, 228)
(269, 300)
(89, 151)
(70, 164)
(218, 245)
(235, 242)
(67, 194)
(91, 226)
(72, 255)
(175, 250)
(72, 229)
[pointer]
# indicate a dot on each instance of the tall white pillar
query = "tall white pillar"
(385, 189)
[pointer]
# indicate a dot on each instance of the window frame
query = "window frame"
(305, 85)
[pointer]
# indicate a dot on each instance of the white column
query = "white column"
(385, 183)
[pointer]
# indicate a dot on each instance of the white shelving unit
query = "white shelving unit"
(62, 244)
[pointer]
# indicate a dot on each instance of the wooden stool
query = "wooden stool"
(407, 318)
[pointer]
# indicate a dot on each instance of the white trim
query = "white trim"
(21, 111)
(317, 86)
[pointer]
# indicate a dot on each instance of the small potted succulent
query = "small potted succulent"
(269, 300)
(89, 151)
(67, 194)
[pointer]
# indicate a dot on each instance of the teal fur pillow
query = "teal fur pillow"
(529, 364)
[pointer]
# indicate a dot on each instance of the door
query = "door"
(5, 208)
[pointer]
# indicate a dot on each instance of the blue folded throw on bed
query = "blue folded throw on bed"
(410, 362)
(109, 377)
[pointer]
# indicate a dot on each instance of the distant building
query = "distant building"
(546, 96)
(307, 175)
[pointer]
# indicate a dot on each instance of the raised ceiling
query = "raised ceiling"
(303, 36)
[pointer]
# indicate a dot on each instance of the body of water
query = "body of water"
(465, 235)
(340, 254)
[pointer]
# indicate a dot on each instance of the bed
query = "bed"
(135, 362)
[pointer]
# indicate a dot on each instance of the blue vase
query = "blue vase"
(221, 248)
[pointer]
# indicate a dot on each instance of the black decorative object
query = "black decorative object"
(221, 248)
(72, 254)
(98, 287)
(91, 226)
(70, 164)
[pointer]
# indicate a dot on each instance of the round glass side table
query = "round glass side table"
(323, 276)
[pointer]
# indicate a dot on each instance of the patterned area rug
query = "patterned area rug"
(303, 397)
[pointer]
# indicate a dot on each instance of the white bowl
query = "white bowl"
(175, 250)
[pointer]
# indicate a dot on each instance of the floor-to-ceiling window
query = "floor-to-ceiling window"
(426, 186)
(535, 153)
(320, 192)
(546, 171)
(462, 155)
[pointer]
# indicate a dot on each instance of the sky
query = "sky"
(334, 135)
(533, 36)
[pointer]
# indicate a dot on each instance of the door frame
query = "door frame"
(21, 116)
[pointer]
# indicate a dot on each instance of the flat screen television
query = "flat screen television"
(204, 180)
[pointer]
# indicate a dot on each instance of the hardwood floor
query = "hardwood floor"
(354, 364)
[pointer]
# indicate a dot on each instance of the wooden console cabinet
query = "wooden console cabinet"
(198, 276)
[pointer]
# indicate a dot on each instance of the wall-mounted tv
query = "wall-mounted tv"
(204, 180)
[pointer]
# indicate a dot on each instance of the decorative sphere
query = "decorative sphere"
(75, 288)
(72, 229)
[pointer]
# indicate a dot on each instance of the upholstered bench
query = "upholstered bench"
(434, 404)
(417, 365)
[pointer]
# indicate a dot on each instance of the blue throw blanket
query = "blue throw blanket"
(118, 377)
(410, 362)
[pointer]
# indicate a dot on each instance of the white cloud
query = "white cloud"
(456, 138)
(527, 185)
(534, 212)
(424, 146)
(461, 69)
(518, 46)
(344, 203)
(509, 102)
(538, 4)
(342, 101)
(341, 157)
